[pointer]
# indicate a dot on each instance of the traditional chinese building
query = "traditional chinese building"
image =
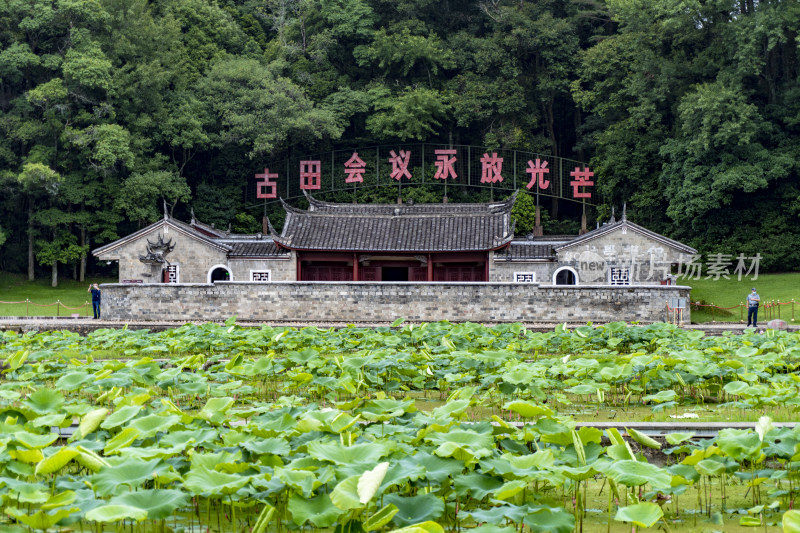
(395, 243)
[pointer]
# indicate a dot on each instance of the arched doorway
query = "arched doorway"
(565, 276)
(219, 273)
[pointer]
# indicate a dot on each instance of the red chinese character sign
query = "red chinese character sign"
(445, 159)
(354, 168)
(581, 180)
(436, 164)
(537, 171)
(491, 168)
(267, 183)
(400, 164)
(310, 175)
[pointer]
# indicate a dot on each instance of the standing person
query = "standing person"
(95, 290)
(753, 300)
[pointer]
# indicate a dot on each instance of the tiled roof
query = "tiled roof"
(527, 250)
(398, 227)
(265, 248)
(167, 221)
(613, 226)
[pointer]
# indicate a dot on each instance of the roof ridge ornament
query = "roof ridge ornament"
(166, 216)
(613, 218)
(624, 208)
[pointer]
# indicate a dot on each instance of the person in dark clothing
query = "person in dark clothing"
(95, 290)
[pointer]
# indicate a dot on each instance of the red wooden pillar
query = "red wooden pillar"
(430, 267)
(355, 267)
(299, 263)
(486, 268)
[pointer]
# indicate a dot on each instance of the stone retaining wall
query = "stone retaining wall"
(354, 302)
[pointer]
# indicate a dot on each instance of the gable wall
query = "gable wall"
(192, 256)
(648, 260)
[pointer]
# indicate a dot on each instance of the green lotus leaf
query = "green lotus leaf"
(335, 452)
(437, 469)
(115, 513)
(452, 409)
(750, 521)
(44, 401)
(476, 485)
(550, 521)
(663, 396)
(215, 409)
(186, 438)
(382, 410)
(492, 528)
(380, 518)
(636, 473)
(41, 519)
(273, 446)
(204, 481)
(582, 390)
(34, 441)
(519, 376)
(124, 475)
(55, 462)
(735, 387)
(510, 489)
(34, 493)
(643, 439)
(159, 503)
(422, 527)
(641, 514)
(528, 409)
(415, 509)
(302, 481)
(149, 426)
(791, 521)
(499, 514)
(319, 510)
(710, 467)
(747, 351)
(677, 438)
(89, 459)
(48, 420)
(120, 416)
(345, 494)
(91, 421)
(59, 500)
(465, 445)
(738, 444)
(121, 440)
(73, 381)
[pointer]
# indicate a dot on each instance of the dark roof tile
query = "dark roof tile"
(398, 227)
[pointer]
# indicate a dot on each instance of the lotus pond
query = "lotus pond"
(414, 428)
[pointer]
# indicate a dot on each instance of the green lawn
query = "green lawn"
(732, 292)
(42, 297)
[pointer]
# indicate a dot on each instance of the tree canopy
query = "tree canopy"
(687, 110)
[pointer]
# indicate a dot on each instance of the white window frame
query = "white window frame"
(518, 274)
(261, 271)
(611, 276)
(574, 273)
(177, 273)
(213, 268)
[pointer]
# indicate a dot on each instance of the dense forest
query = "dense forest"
(687, 110)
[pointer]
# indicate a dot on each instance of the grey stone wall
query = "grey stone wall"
(503, 271)
(385, 301)
(280, 269)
